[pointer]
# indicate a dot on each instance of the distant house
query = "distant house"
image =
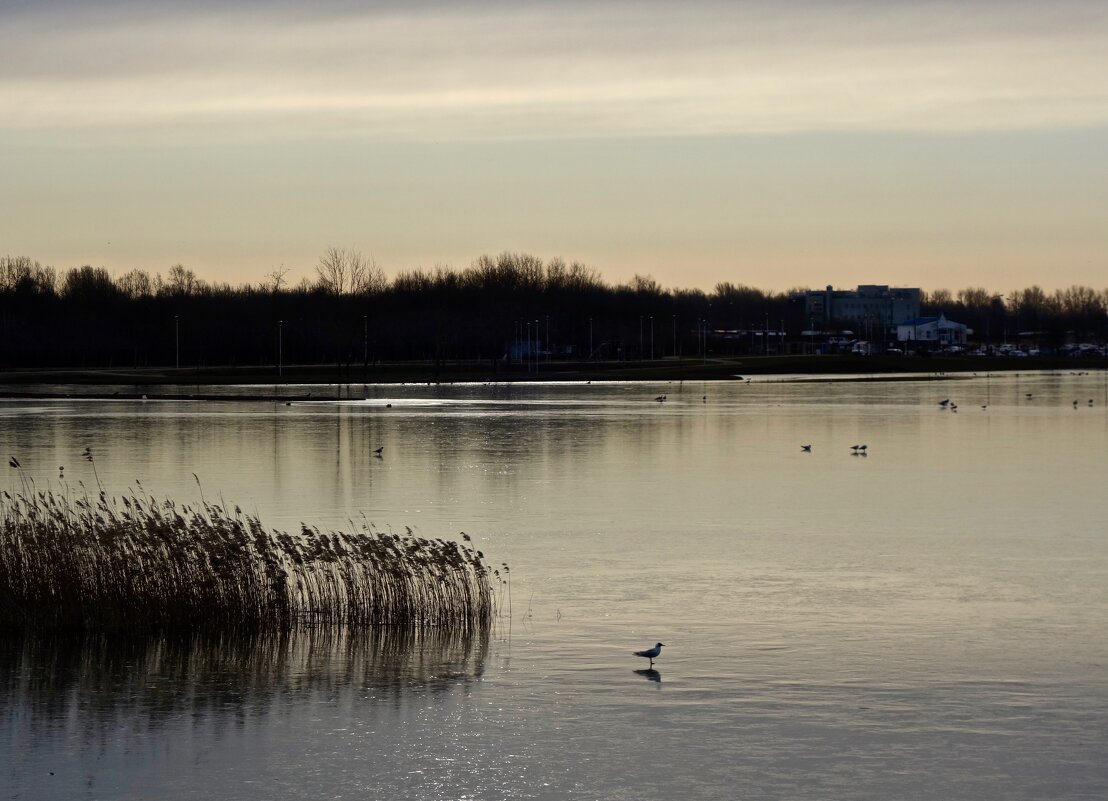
(932, 331)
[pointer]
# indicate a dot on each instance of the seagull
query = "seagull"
(806, 448)
(863, 448)
(855, 447)
(651, 653)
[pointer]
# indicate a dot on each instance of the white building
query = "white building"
(932, 331)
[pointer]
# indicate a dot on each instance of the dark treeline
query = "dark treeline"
(351, 315)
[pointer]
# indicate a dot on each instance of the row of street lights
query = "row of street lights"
(532, 333)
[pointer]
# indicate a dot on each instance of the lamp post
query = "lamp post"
(590, 339)
(675, 336)
(652, 337)
(280, 346)
(365, 344)
(640, 337)
(536, 346)
(177, 338)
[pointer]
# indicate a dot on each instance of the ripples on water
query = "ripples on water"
(923, 622)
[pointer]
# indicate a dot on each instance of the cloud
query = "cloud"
(551, 70)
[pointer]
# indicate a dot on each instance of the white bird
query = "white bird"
(651, 653)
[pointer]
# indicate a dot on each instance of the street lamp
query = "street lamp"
(280, 344)
(675, 336)
(652, 337)
(640, 337)
(177, 337)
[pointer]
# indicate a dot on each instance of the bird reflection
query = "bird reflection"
(650, 674)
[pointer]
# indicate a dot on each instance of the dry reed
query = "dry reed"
(137, 562)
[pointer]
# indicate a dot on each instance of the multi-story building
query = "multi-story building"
(876, 306)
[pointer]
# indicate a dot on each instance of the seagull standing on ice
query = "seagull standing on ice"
(651, 653)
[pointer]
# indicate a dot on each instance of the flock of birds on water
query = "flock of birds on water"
(856, 450)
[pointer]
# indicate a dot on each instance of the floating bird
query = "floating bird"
(651, 653)
(984, 406)
(378, 451)
(806, 448)
(660, 398)
(954, 407)
(855, 447)
(1075, 404)
(1030, 395)
(944, 402)
(862, 448)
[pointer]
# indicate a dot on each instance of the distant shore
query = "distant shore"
(132, 383)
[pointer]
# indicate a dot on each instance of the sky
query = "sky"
(776, 143)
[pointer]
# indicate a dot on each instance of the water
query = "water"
(926, 621)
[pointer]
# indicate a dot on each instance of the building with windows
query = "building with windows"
(875, 307)
(936, 332)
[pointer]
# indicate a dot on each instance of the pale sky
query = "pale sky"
(775, 143)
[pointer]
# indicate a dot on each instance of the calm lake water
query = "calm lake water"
(925, 621)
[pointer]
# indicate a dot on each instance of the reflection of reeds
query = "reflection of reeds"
(139, 562)
(157, 679)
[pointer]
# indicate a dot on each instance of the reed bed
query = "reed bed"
(137, 562)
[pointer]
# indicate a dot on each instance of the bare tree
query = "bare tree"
(366, 276)
(135, 284)
(182, 281)
(343, 271)
(275, 278)
(333, 271)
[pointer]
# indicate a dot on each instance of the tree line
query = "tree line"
(499, 310)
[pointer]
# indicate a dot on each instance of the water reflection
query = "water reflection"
(650, 674)
(147, 681)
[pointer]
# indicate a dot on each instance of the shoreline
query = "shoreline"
(58, 383)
